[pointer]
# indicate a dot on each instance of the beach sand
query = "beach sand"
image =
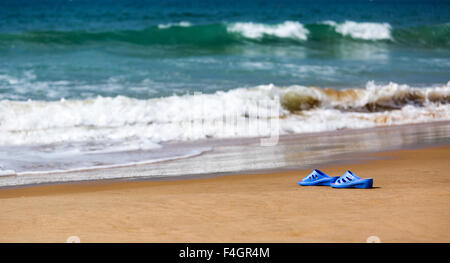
(410, 203)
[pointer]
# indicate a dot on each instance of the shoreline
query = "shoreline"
(366, 156)
(268, 207)
(294, 151)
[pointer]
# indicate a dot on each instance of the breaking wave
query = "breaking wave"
(222, 34)
(299, 109)
(365, 31)
(288, 29)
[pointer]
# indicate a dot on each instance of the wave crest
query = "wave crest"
(224, 34)
(374, 98)
(364, 30)
(288, 29)
(169, 25)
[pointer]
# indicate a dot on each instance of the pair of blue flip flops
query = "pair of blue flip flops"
(348, 180)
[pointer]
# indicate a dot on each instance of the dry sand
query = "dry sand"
(411, 203)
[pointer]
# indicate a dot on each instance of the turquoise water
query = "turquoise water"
(53, 49)
(88, 84)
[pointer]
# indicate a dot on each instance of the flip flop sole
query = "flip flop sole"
(361, 184)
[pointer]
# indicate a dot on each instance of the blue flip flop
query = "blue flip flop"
(317, 177)
(351, 180)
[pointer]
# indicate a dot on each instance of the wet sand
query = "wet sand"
(410, 203)
(247, 156)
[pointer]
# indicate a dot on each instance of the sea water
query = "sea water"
(83, 82)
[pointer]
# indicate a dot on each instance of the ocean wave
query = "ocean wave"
(374, 98)
(169, 25)
(192, 117)
(182, 33)
(365, 31)
(288, 29)
(223, 34)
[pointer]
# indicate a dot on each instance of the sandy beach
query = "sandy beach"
(410, 203)
(193, 121)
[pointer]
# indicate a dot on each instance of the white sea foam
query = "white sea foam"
(57, 136)
(288, 29)
(179, 24)
(10, 80)
(26, 77)
(5, 173)
(362, 30)
(199, 116)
